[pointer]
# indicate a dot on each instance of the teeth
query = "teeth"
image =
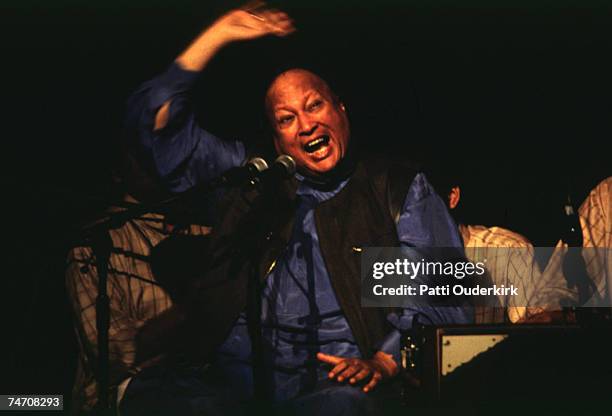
(310, 146)
(315, 142)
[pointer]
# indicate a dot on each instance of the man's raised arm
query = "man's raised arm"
(176, 147)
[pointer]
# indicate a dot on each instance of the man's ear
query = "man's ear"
(342, 107)
(453, 197)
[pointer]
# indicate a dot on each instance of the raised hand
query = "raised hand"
(250, 22)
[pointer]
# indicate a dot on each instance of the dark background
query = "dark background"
(516, 96)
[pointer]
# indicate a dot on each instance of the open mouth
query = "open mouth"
(316, 144)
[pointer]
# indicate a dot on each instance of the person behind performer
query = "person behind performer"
(324, 353)
(595, 215)
(583, 278)
(509, 257)
(136, 295)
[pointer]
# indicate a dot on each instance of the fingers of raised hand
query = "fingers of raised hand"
(277, 22)
(251, 23)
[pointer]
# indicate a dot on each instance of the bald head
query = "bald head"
(285, 85)
(308, 120)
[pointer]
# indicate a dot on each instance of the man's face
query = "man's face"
(310, 125)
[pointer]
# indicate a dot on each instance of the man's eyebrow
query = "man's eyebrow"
(282, 108)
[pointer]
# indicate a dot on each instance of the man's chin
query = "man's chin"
(324, 166)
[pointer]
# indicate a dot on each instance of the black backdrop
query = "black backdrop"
(516, 94)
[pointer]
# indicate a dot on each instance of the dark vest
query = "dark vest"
(362, 214)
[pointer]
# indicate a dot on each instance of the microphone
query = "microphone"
(239, 175)
(283, 168)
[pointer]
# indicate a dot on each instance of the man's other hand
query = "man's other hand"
(379, 367)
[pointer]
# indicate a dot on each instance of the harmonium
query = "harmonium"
(449, 364)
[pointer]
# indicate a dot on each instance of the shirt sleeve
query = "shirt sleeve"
(182, 153)
(424, 222)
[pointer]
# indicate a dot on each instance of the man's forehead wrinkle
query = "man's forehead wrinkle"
(299, 73)
(295, 78)
(286, 99)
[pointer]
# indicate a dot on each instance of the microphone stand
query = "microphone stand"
(261, 229)
(259, 210)
(262, 221)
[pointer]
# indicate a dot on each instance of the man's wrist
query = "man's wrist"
(202, 50)
(216, 37)
(388, 365)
